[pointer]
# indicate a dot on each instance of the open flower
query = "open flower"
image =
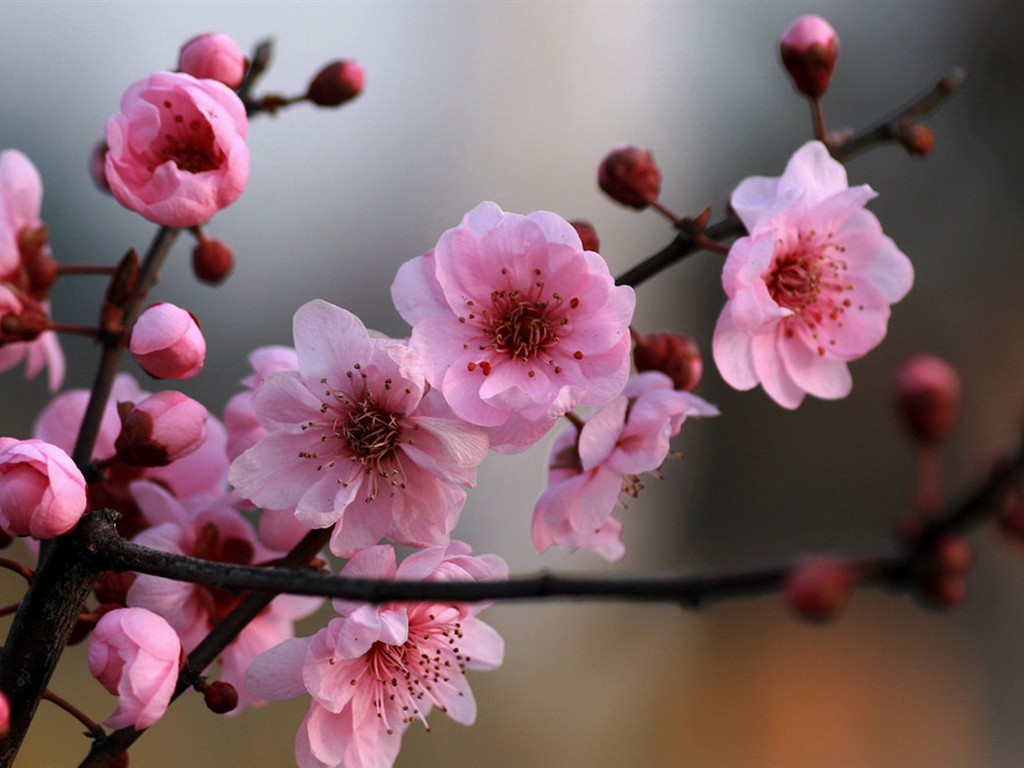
(27, 271)
(377, 668)
(592, 467)
(177, 149)
(210, 531)
(810, 287)
(516, 323)
(355, 438)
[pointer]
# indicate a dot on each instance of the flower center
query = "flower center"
(419, 670)
(190, 146)
(521, 328)
(807, 278)
(371, 433)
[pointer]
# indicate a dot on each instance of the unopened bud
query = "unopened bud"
(1011, 520)
(818, 588)
(336, 83)
(928, 397)
(5, 716)
(944, 591)
(220, 697)
(630, 176)
(167, 342)
(677, 356)
(215, 57)
(212, 261)
(809, 49)
(917, 139)
(588, 235)
(162, 428)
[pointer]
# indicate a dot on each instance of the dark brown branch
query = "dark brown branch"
(888, 128)
(65, 576)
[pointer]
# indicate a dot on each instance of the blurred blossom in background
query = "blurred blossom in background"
(517, 103)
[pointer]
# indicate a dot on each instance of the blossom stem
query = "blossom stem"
(683, 245)
(95, 730)
(80, 330)
(23, 571)
(672, 217)
(7, 610)
(84, 269)
(818, 119)
(575, 420)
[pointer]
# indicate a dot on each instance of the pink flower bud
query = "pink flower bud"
(212, 261)
(213, 56)
(135, 655)
(677, 356)
(336, 83)
(588, 235)
(42, 492)
(809, 50)
(177, 149)
(819, 587)
(630, 176)
(928, 397)
(162, 428)
(5, 716)
(167, 343)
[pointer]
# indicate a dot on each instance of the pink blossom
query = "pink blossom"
(359, 670)
(210, 529)
(240, 420)
(135, 654)
(810, 287)
(354, 439)
(42, 492)
(214, 56)
(516, 323)
(23, 285)
(177, 149)
(167, 343)
(201, 473)
(591, 468)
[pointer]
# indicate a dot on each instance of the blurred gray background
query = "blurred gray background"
(518, 102)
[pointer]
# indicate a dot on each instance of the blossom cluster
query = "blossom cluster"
(516, 324)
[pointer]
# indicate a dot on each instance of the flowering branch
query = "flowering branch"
(892, 127)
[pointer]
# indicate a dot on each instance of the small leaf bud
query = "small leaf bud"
(928, 397)
(809, 49)
(630, 176)
(917, 139)
(336, 83)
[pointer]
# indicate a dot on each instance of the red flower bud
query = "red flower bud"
(98, 166)
(928, 397)
(336, 83)
(809, 49)
(917, 139)
(819, 587)
(630, 176)
(588, 235)
(220, 697)
(212, 261)
(677, 356)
